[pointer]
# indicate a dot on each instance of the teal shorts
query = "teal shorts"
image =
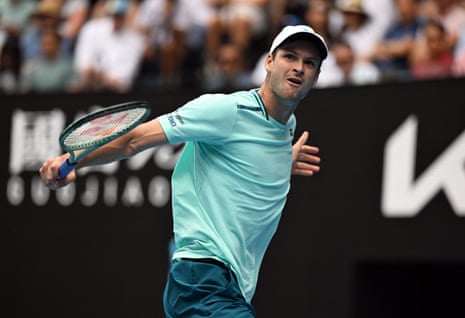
(204, 288)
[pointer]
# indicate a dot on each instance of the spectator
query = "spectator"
(353, 18)
(357, 30)
(74, 14)
(192, 22)
(238, 21)
(229, 73)
(99, 9)
(317, 15)
(286, 12)
(163, 47)
(10, 64)
(47, 16)
(431, 56)
(175, 33)
(14, 15)
(108, 54)
(391, 54)
(52, 72)
(382, 16)
(449, 13)
(347, 70)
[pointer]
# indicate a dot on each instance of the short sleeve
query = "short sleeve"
(209, 118)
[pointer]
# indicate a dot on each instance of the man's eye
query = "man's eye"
(310, 62)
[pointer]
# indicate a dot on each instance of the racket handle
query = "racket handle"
(66, 168)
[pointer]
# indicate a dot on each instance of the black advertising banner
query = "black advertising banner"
(379, 231)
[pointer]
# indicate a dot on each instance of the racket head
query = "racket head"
(104, 125)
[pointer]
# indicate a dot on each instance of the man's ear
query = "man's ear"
(317, 75)
(268, 62)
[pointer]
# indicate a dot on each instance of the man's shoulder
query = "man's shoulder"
(246, 97)
(227, 98)
(226, 101)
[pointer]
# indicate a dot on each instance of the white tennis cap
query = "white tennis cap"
(291, 30)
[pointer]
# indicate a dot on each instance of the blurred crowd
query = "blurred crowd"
(76, 46)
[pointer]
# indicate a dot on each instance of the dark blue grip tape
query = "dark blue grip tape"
(65, 169)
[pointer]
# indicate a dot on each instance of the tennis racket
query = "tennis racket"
(98, 128)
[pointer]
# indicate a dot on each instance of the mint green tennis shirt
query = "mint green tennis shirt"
(231, 181)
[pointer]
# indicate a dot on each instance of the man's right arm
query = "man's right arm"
(144, 136)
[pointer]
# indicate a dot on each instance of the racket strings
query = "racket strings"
(102, 128)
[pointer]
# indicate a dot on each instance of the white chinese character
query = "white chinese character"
(34, 138)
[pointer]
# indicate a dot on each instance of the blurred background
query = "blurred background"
(379, 232)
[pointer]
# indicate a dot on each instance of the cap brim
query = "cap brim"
(322, 48)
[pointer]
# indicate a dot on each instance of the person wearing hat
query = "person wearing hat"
(358, 28)
(108, 51)
(232, 179)
(48, 9)
(46, 17)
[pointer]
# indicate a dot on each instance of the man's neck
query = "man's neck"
(276, 108)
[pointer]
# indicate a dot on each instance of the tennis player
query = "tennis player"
(232, 179)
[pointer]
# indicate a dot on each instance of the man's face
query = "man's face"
(344, 57)
(435, 40)
(50, 44)
(294, 70)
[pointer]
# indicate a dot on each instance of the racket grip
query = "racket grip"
(65, 168)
